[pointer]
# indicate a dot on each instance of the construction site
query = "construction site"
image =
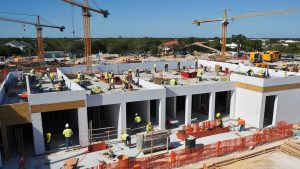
(212, 110)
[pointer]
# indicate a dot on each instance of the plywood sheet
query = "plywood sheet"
(14, 114)
(269, 88)
(57, 106)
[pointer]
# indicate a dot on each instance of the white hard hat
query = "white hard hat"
(67, 125)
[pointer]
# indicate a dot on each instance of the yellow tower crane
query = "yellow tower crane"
(86, 27)
(39, 37)
(225, 22)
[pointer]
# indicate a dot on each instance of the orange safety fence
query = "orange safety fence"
(178, 158)
(208, 128)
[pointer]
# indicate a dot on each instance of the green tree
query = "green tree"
(240, 40)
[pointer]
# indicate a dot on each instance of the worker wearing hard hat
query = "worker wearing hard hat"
(166, 67)
(219, 120)
(199, 75)
(48, 140)
(78, 75)
(137, 120)
(149, 127)
(68, 133)
(242, 124)
(137, 72)
(106, 77)
(112, 82)
(52, 77)
(154, 67)
(126, 138)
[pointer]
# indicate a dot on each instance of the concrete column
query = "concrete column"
(157, 109)
(228, 98)
(188, 109)
(148, 118)
(175, 107)
(261, 113)
(232, 105)
(162, 113)
(212, 106)
(38, 135)
(83, 126)
(122, 118)
(275, 112)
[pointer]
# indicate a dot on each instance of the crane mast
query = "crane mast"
(39, 29)
(86, 28)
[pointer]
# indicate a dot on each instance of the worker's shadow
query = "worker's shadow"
(176, 144)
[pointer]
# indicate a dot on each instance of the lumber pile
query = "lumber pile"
(156, 141)
(70, 163)
(291, 147)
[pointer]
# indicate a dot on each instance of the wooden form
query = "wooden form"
(57, 106)
(268, 88)
(70, 163)
(15, 114)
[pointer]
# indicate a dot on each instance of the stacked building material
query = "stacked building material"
(291, 147)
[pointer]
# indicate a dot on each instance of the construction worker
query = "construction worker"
(173, 82)
(260, 73)
(137, 72)
(137, 121)
(219, 120)
(285, 73)
(112, 82)
(149, 127)
(250, 72)
(129, 76)
(199, 75)
(106, 77)
(52, 77)
(196, 64)
(48, 140)
(178, 66)
(126, 138)
(78, 75)
(68, 133)
(62, 81)
(166, 67)
(242, 123)
(154, 66)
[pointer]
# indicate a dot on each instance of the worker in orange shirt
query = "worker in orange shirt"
(241, 123)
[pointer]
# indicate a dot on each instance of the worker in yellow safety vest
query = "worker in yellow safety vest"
(78, 75)
(52, 77)
(149, 127)
(126, 138)
(48, 140)
(219, 120)
(106, 77)
(199, 75)
(173, 82)
(112, 82)
(68, 133)
(154, 66)
(137, 121)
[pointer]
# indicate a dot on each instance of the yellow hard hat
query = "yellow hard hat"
(218, 115)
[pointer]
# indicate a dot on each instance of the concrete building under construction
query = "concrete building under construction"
(225, 88)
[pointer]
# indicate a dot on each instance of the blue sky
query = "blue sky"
(155, 18)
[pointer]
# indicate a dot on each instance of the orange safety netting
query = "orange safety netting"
(178, 158)
(208, 128)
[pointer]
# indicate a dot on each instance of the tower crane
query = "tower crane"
(39, 28)
(225, 22)
(86, 28)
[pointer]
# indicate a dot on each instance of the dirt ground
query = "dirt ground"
(276, 160)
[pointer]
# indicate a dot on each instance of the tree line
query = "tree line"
(125, 46)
